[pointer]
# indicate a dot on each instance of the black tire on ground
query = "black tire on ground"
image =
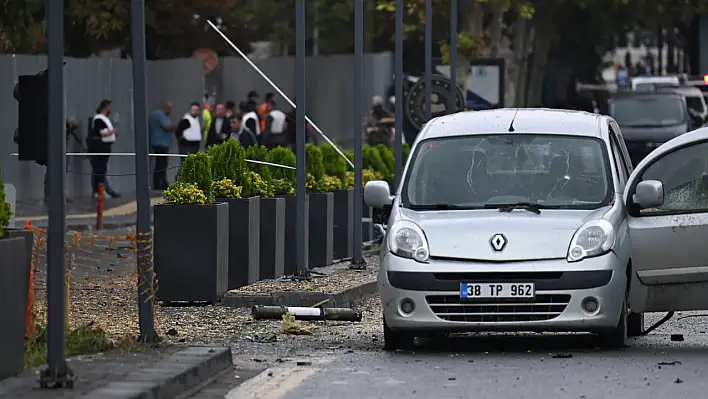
(617, 337)
(635, 324)
(395, 340)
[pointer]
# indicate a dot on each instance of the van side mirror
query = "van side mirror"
(649, 194)
(377, 194)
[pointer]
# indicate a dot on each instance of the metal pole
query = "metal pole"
(300, 222)
(453, 57)
(399, 91)
(144, 232)
(428, 58)
(357, 256)
(57, 373)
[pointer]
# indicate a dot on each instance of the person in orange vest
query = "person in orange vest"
(265, 108)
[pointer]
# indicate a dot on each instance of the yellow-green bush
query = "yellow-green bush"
(226, 188)
(255, 186)
(184, 194)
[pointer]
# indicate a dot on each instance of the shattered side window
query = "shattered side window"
(685, 178)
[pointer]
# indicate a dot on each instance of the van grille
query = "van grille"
(453, 308)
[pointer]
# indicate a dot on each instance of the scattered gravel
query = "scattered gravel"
(325, 279)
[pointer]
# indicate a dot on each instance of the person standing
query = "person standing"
(275, 133)
(161, 138)
(230, 109)
(250, 118)
(189, 131)
(100, 140)
(265, 108)
(220, 130)
(241, 133)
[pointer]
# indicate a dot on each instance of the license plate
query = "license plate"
(497, 290)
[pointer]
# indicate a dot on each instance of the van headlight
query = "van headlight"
(594, 238)
(407, 240)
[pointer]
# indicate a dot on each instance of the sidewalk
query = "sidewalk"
(81, 212)
(164, 373)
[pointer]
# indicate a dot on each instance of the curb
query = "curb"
(344, 298)
(171, 377)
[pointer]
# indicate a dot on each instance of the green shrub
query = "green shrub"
(388, 159)
(184, 194)
(256, 186)
(334, 164)
(406, 149)
(350, 156)
(282, 156)
(227, 161)
(259, 153)
(315, 164)
(5, 209)
(371, 159)
(331, 183)
(196, 169)
(226, 188)
(368, 175)
(283, 187)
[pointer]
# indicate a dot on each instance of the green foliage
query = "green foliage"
(350, 155)
(348, 181)
(283, 187)
(227, 161)
(197, 169)
(311, 184)
(282, 156)
(334, 164)
(256, 186)
(184, 194)
(315, 164)
(371, 159)
(82, 340)
(226, 188)
(388, 159)
(406, 150)
(259, 153)
(5, 210)
(368, 175)
(331, 183)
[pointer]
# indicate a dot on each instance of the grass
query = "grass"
(79, 341)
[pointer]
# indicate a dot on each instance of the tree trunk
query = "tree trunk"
(520, 32)
(472, 14)
(495, 29)
(529, 34)
(545, 35)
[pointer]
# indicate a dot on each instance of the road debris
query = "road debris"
(292, 327)
(301, 313)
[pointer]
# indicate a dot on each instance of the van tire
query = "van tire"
(617, 337)
(635, 324)
(397, 340)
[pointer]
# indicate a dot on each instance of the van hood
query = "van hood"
(467, 234)
(653, 134)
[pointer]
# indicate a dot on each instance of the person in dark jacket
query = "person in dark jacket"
(100, 140)
(241, 133)
(220, 129)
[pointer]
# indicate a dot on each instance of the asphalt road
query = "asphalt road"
(529, 366)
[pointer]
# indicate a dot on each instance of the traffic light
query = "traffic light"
(31, 94)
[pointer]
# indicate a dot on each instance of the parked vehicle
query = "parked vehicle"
(649, 119)
(649, 83)
(533, 220)
(695, 102)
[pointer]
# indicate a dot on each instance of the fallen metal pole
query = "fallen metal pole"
(301, 313)
(280, 92)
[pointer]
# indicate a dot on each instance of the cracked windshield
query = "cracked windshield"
(652, 110)
(496, 170)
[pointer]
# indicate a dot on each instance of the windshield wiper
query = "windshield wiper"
(527, 206)
(436, 207)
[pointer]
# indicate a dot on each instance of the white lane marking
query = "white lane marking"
(283, 380)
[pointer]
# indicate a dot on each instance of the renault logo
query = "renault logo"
(498, 242)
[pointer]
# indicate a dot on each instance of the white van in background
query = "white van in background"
(650, 83)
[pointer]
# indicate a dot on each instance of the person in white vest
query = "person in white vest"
(189, 131)
(100, 140)
(276, 129)
(250, 118)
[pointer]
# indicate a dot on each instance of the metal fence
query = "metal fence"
(88, 81)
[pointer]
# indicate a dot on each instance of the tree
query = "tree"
(21, 26)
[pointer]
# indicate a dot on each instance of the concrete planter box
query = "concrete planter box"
(343, 223)
(291, 232)
(244, 241)
(191, 252)
(321, 218)
(14, 283)
(367, 227)
(272, 238)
